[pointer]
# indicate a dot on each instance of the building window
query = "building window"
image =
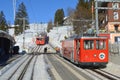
(115, 15)
(117, 39)
(116, 27)
(115, 5)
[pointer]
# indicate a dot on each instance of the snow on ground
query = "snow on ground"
(57, 34)
(40, 69)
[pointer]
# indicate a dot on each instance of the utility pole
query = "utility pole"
(92, 12)
(14, 9)
(96, 17)
(23, 19)
(23, 33)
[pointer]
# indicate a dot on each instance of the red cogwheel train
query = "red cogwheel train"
(40, 40)
(86, 51)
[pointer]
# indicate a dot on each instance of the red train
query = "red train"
(40, 40)
(86, 51)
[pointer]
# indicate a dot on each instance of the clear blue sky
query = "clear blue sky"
(38, 10)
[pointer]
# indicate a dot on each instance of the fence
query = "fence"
(114, 48)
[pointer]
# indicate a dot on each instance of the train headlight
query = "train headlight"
(95, 55)
(102, 56)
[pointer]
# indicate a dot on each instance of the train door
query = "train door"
(77, 52)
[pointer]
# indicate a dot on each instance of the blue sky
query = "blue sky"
(38, 10)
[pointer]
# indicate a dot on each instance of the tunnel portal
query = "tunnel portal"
(6, 44)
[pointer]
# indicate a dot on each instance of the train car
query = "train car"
(40, 40)
(86, 51)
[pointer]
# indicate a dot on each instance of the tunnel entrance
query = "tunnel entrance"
(6, 44)
(4, 49)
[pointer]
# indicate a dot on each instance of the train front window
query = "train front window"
(40, 39)
(100, 44)
(37, 38)
(88, 44)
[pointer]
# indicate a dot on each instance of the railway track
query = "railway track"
(64, 70)
(10, 60)
(101, 74)
(28, 68)
(36, 49)
(91, 74)
(25, 69)
(12, 69)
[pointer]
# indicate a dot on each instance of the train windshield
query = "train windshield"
(88, 44)
(39, 38)
(100, 44)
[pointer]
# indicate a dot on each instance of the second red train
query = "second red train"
(42, 40)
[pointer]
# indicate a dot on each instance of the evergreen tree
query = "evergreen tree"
(59, 17)
(3, 23)
(21, 19)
